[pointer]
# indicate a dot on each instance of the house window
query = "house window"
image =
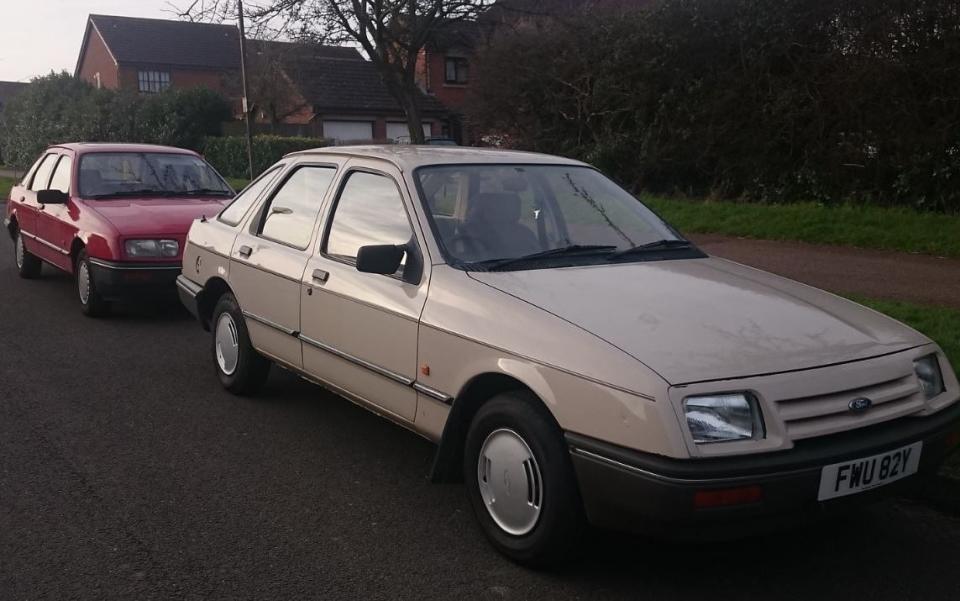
(153, 81)
(456, 70)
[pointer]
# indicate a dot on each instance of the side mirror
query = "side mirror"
(52, 197)
(380, 258)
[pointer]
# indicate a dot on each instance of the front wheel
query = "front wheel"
(520, 481)
(91, 302)
(28, 266)
(240, 368)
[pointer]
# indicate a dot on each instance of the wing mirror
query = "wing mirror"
(52, 197)
(380, 258)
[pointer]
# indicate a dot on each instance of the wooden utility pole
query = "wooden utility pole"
(243, 76)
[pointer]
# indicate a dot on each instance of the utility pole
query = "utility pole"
(243, 76)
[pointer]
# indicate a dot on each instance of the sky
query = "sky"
(39, 36)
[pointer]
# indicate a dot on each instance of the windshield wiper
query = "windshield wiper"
(565, 251)
(652, 246)
(205, 192)
(127, 193)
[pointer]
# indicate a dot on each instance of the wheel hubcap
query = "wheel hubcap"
(20, 251)
(228, 346)
(83, 282)
(510, 482)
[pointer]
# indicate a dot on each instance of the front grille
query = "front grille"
(819, 415)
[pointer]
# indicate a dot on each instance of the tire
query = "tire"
(509, 428)
(28, 265)
(240, 368)
(91, 302)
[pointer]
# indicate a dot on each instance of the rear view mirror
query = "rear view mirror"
(52, 197)
(382, 258)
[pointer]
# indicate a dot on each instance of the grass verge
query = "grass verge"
(237, 183)
(849, 225)
(5, 184)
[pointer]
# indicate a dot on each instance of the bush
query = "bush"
(814, 100)
(229, 154)
(60, 108)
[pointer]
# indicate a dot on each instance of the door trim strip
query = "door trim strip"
(270, 324)
(383, 371)
(44, 242)
(433, 393)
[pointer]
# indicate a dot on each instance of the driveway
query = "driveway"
(127, 473)
(872, 273)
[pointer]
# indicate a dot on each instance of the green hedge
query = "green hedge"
(793, 100)
(229, 154)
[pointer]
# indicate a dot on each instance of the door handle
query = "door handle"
(245, 251)
(320, 275)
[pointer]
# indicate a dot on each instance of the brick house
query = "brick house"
(332, 88)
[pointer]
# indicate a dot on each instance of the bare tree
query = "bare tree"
(390, 32)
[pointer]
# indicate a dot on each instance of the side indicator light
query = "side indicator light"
(745, 495)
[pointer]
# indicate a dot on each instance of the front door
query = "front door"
(55, 222)
(268, 259)
(359, 330)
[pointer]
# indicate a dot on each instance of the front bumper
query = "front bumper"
(189, 293)
(624, 489)
(118, 281)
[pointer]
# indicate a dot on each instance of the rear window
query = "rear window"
(115, 174)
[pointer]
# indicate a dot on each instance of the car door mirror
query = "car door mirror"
(52, 197)
(380, 258)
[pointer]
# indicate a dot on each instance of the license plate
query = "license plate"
(858, 475)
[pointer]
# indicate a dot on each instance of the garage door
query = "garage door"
(348, 131)
(400, 130)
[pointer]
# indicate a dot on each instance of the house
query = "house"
(333, 89)
(333, 85)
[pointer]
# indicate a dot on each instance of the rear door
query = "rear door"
(269, 256)
(359, 330)
(56, 223)
(29, 208)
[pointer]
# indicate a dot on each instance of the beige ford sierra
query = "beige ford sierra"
(576, 360)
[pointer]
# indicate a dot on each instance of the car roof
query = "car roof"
(85, 147)
(408, 157)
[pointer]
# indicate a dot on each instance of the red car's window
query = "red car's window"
(61, 175)
(145, 174)
(42, 177)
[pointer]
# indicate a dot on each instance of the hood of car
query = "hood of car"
(708, 319)
(155, 216)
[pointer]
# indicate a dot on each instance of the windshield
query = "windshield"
(118, 174)
(493, 214)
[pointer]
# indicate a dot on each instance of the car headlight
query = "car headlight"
(723, 417)
(152, 248)
(930, 376)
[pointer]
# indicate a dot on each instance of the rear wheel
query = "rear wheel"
(240, 368)
(28, 266)
(91, 302)
(520, 481)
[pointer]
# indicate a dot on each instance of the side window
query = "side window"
(369, 211)
(233, 214)
(61, 175)
(290, 217)
(42, 177)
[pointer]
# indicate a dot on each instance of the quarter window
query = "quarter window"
(233, 214)
(42, 177)
(153, 81)
(61, 175)
(370, 211)
(291, 214)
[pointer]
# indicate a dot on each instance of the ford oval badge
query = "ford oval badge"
(859, 405)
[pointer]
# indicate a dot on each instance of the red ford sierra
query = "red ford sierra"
(115, 216)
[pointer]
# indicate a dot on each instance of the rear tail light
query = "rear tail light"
(745, 495)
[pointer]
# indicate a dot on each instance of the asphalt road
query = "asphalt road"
(127, 473)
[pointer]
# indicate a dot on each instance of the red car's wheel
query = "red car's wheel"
(28, 266)
(91, 303)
